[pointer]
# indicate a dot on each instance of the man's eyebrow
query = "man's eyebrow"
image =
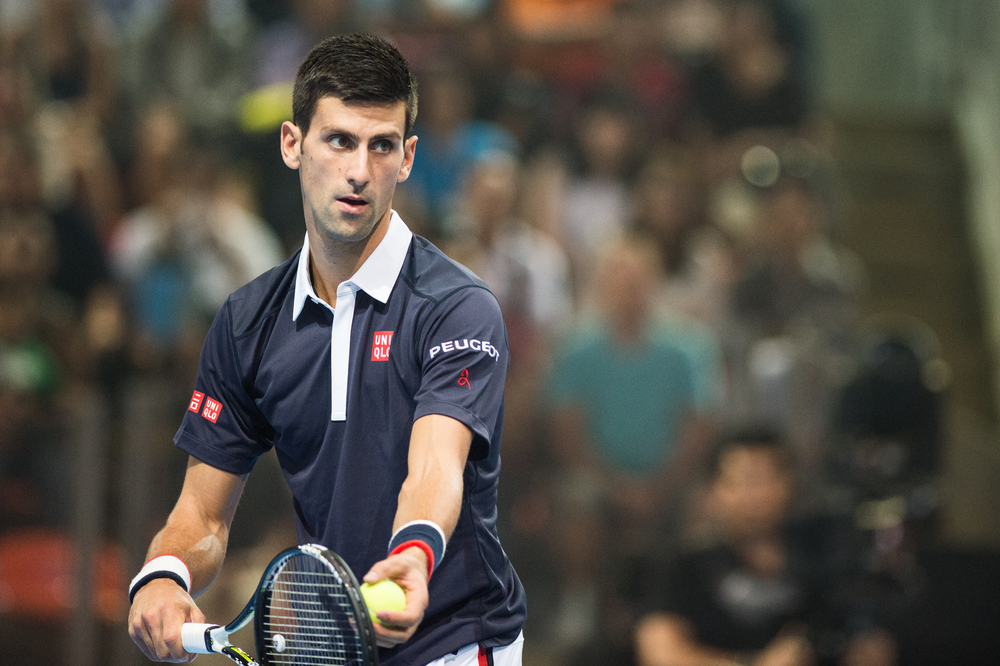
(392, 135)
(332, 130)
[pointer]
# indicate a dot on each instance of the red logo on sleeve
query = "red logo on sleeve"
(380, 345)
(212, 410)
(463, 379)
(195, 403)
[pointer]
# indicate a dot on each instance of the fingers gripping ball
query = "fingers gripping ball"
(384, 595)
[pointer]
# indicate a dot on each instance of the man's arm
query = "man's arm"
(196, 532)
(663, 639)
(439, 449)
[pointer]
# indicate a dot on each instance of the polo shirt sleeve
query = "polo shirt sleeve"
(222, 426)
(464, 359)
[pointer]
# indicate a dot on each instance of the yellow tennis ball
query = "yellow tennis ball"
(384, 595)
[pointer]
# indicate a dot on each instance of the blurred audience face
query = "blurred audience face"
(626, 277)
(666, 197)
(445, 101)
(753, 59)
(692, 28)
(752, 491)
(789, 218)
(491, 192)
(605, 136)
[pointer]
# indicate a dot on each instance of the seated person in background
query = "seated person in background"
(758, 595)
(630, 403)
(630, 399)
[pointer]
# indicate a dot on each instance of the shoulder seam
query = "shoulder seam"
(232, 343)
(418, 334)
(438, 301)
(245, 382)
(263, 319)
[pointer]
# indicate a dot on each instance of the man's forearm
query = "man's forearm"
(434, 485)
(202, 551)
(197, 530)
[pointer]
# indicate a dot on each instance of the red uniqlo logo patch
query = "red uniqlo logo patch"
(212, 409)
(195, 403)
(380, 345)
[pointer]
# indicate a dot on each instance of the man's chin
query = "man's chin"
(350, 228)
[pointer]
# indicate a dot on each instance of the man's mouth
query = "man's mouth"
(352, 204)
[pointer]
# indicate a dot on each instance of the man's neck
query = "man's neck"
(629, 331)
(764, 554)
(332, 261)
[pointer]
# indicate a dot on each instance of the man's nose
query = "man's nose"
(358, 174)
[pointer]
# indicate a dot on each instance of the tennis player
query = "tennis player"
(374, 366)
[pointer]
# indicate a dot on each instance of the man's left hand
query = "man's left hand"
(407, 569)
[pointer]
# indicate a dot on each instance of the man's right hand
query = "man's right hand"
(159, 609)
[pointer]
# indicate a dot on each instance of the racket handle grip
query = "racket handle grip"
(200, 638)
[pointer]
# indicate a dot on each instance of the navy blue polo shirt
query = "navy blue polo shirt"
(426, 337)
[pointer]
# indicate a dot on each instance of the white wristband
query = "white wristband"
(163, 566)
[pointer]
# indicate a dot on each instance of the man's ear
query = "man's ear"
(291, 145)
(409, 150)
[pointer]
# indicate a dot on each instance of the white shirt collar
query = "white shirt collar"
(375, 277)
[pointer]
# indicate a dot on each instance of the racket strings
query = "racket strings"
(309, 618)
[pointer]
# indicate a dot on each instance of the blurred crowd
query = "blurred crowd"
(646, 185)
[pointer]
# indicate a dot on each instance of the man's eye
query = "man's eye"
(340, 141)
(382, 146)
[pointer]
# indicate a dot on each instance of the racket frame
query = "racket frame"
(201, 638)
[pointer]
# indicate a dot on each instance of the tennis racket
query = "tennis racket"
(307, 611)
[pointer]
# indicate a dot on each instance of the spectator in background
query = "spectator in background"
(795, 308)
(180, 255)
(284, 44)
(450, 142)
(760, 594)
(628, 428)
(595, 205)
(558, 20)
(623, 392)
(630, 57)
(79, 265)
(70, 45)
(58, 87)
(671, 209)
(79, 288)
(180, 55)
(159, 136)
(748, 92)
(793, 271)
(33, 473)
(528, 272)
(525, 267)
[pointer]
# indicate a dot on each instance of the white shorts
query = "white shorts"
(474, 655)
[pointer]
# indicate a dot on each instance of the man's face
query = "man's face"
(752, 492)
(349, 163)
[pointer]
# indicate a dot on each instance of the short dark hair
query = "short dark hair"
(753, 438)
(354, 68)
